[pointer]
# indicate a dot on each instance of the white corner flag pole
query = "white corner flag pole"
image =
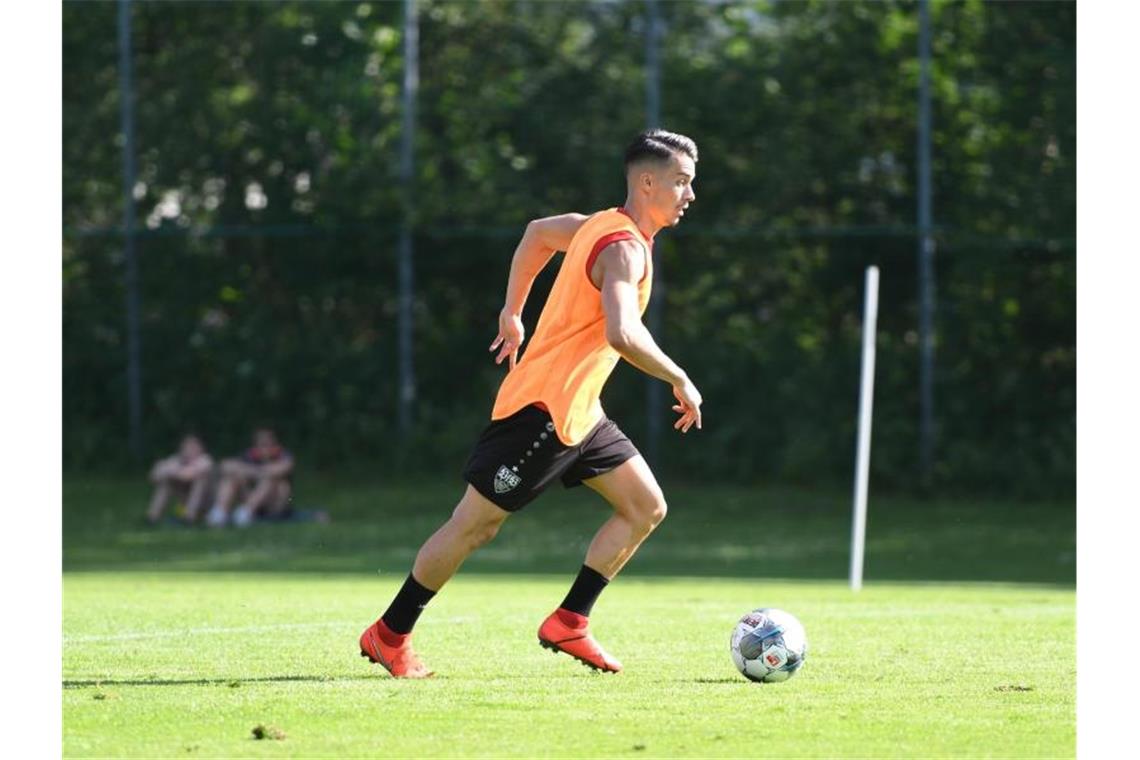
(863, 441)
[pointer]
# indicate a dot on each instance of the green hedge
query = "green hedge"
(805, 117)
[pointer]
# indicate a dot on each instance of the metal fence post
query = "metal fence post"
(127, 120)
(925, 255)
(653, 395)
(407, 381)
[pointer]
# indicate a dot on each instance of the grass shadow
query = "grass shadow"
(230, 682)
(720, 531)
(715, 681)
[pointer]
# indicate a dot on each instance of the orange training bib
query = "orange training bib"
(568, 360)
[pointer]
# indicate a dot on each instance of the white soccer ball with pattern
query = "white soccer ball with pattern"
(768, 645)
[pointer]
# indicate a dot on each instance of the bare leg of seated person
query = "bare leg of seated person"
(199, 493)
(160, 477)
(270, 497)
(235, 475)
(158, 501)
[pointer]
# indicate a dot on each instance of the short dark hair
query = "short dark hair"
(659, 145)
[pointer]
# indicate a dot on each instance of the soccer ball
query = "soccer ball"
(768, 645)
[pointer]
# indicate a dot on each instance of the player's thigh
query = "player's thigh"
(478, 513)
(631, 489)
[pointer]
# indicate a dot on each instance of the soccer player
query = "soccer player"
(547, 422)
(186, 474)
(259, 478)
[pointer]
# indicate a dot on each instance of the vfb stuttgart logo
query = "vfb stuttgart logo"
(506, 480)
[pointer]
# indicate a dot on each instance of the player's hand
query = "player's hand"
(511, 336)
(688, 406)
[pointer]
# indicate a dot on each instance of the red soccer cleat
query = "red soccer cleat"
(399, 658)
(568, 632)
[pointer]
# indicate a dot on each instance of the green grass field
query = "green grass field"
(180, 642)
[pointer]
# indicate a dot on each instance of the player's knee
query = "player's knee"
(231, 467)
(481, 534)
(475, 529)
(657, 510)
(650, 511)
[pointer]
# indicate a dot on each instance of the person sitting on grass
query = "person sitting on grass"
(258, 483)
(186, 475)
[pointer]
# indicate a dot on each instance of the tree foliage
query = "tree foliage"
(268, 200)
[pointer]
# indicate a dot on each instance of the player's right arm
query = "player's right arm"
(622, 265)
(543, 237)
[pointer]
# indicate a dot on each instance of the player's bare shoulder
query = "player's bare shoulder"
(556, 232)
(620, 260)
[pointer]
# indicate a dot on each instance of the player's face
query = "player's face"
(673, 190)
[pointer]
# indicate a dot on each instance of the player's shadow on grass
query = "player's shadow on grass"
(230, 682)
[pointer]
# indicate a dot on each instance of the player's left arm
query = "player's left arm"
(623, 265)
(542, 239)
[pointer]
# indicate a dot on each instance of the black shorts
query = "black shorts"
(517, 457)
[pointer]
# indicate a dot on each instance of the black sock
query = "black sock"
(587, 587)
(405, 609)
